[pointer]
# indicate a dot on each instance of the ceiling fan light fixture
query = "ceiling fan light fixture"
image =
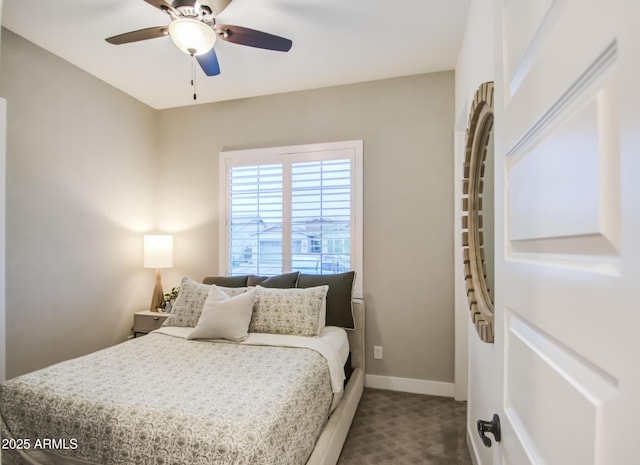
(191, 36)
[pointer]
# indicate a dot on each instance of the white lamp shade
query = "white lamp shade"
(158, 251)
(192, 36)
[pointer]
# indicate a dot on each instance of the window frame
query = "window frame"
(352, 150)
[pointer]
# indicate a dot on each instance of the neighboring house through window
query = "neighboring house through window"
(295, 208)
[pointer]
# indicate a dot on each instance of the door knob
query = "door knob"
(492, 427)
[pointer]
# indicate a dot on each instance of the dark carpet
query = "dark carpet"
(398, 428)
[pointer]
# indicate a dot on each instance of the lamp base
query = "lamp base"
(158, 294)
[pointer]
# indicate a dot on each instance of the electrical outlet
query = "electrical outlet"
(377, 352)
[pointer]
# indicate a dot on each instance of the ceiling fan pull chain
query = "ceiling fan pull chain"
(193, 75)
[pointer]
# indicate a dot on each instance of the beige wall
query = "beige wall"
(406, 125)
(80, 165)
(85, 181)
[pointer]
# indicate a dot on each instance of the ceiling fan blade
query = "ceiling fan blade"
(252, 38)
(141, 34)
(209, 63)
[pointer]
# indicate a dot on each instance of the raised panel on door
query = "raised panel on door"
(563, 287)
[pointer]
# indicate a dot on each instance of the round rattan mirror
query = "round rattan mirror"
(477, 219)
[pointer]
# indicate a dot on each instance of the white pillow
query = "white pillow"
(223, 317)
(215, 294)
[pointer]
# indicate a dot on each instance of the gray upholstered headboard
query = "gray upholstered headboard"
(356, 336)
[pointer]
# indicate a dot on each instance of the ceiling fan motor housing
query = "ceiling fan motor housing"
(191, 8)
(194, 8)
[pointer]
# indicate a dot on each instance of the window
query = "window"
(292, 209)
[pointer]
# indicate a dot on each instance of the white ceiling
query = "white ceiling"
(334, 42)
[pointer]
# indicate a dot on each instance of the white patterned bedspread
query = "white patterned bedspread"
(160, 399)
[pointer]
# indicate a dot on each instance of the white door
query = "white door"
(568, 184)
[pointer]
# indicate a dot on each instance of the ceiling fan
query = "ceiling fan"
(193, 30)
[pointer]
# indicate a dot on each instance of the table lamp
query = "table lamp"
(158, 253)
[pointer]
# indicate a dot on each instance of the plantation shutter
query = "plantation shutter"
(255, 237)
(321, 216)
(292, 209)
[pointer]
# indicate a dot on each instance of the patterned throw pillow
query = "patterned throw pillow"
(188, 307)
(233, 291)
(295, 312)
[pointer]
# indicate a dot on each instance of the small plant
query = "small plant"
(169, 296)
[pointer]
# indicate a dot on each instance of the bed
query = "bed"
(167, 399)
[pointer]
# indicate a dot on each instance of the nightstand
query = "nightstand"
(147, 321)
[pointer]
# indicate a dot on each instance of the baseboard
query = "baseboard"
(473, 453)
(415, 386)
